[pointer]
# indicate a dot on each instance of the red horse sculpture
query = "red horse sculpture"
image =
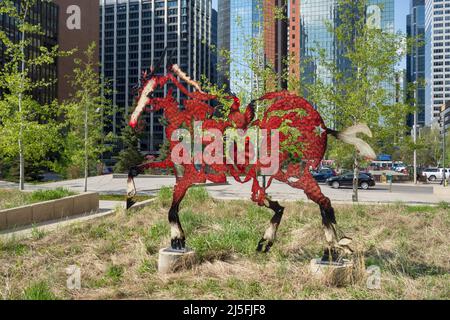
(301, 144)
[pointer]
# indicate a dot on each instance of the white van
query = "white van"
(433, 174)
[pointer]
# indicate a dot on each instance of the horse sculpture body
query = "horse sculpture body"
(302, 143)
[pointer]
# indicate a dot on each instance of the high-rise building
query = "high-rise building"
(295, 38)
(214, 43)
(314, 34)
(223, 41)
(66, 24)
(275, 38)
(240, 23)
(314, 14)
(44, 14)
(78, 27)
(437, 53)
(134, 34)
(415, 60)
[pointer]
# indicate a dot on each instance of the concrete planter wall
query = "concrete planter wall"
(49, 210)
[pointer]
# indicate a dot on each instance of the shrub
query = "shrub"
(46, 195)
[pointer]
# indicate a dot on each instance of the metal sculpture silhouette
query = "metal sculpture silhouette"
(302, 145)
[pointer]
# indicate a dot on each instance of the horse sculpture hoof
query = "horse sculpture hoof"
(178, 244)
(261, 248)
(331, 255)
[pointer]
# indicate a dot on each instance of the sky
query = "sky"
(401, 11)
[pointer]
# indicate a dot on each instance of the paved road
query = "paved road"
(106, 184)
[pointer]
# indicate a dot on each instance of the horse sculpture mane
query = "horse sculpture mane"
(300, 147)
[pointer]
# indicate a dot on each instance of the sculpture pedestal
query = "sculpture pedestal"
(333, 273)
(171, 260)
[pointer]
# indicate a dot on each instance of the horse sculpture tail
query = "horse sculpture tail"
(349, 136)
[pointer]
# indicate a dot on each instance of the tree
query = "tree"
(28, 131)
(130, 155)
(87, 113)
(360, 87)
(429, 147)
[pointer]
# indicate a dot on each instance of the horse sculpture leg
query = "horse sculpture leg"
(271, 231)
(177, 236)
(259, 196)
(314, 193)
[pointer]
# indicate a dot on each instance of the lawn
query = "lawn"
(118, 254)
(13, 198)
(122, 197)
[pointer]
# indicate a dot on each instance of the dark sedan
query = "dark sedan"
(346, 180)
(323, 174)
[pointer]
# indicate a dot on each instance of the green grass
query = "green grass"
(121, 197)
(118, 254)
(38, 291)
(165, 196)
(13, 247)
(14, 198)
(47, 195)
(114, 273)
(37, 233)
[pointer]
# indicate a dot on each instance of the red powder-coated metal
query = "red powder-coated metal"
(306, 135)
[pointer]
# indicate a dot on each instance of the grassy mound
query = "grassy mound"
(118, 255)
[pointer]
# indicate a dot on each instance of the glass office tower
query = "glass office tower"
(314, 15)
(240, 23)
(245, 25)
(415, 60)
(134, 34)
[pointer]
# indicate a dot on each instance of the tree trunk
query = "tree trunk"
(86, 159)
(20, 97)
(21, 162)
(355, 178)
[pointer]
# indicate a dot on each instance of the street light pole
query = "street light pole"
(415, 132)
(443, 145)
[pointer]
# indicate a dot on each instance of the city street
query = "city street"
(408, 193)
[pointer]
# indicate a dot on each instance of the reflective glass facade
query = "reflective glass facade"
(415, 61)
(223, 40)
(241, 21)
(245, 24)
(314, 14)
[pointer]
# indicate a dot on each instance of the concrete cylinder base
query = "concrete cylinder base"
(336, 274)
(171, 261)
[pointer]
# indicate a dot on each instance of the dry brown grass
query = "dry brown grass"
(118, 254)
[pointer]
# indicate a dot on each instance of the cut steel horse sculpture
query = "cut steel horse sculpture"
(305, 141)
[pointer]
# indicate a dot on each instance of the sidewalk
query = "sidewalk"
(401, 192)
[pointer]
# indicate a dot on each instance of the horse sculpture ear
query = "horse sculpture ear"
(149, 87)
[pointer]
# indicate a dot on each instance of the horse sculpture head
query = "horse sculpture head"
(146, 101)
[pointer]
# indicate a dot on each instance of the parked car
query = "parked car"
(433, 174)
(365, 181)
(323, 174)
(399, 168)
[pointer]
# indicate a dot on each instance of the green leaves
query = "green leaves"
(23, 121)
(40, 130)
(361, 84)
(87, 109)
